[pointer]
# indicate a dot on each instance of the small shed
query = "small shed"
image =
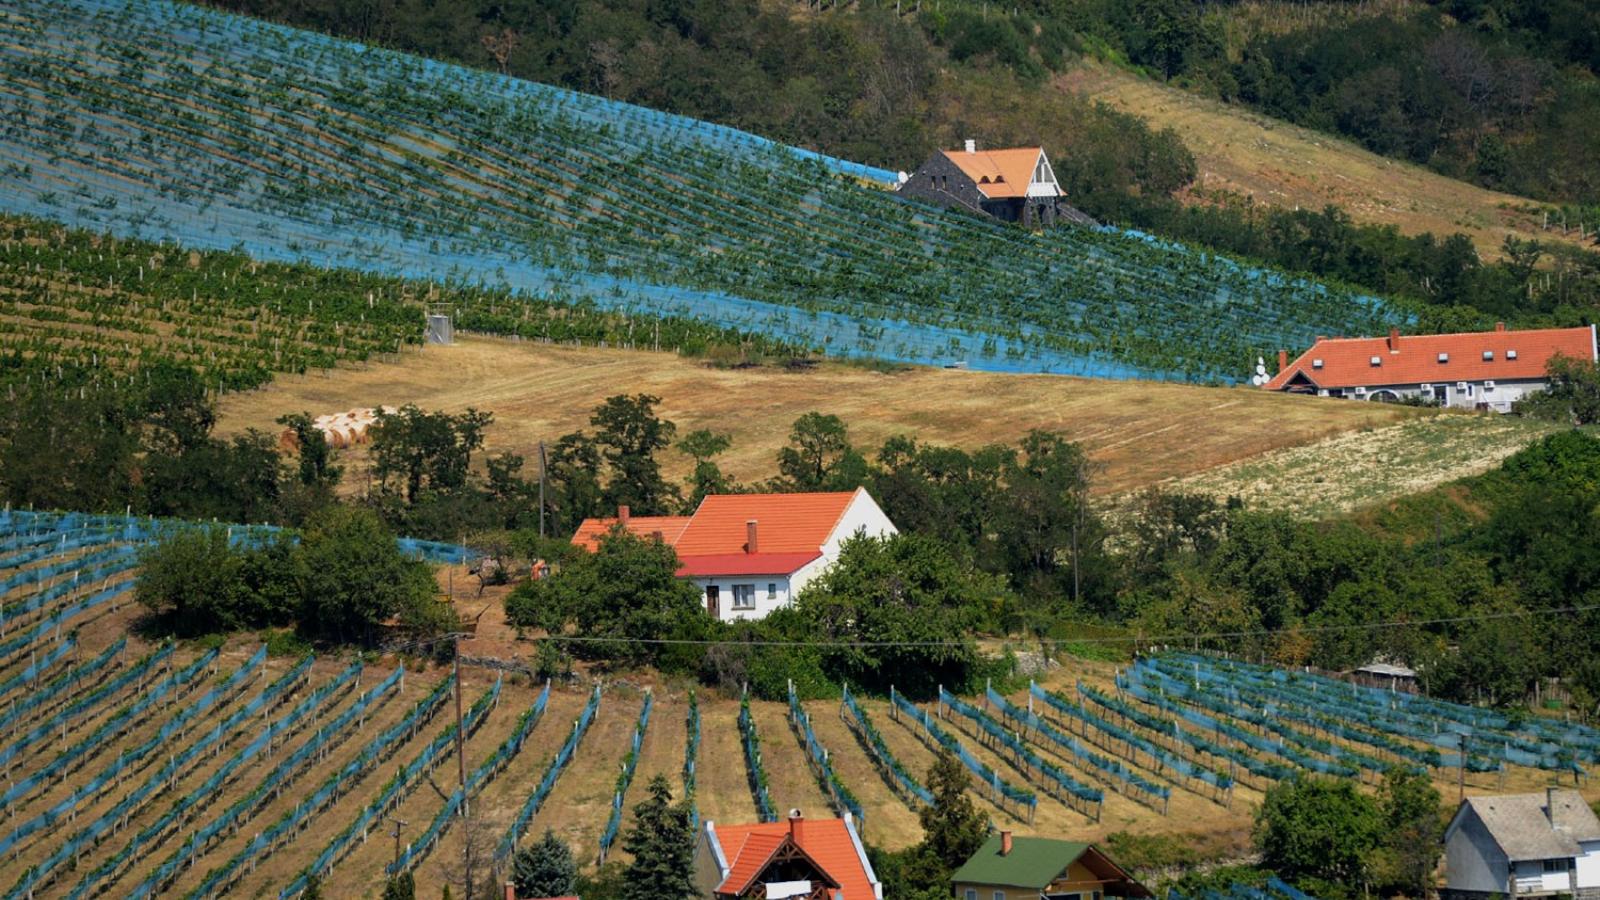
(1388, 676)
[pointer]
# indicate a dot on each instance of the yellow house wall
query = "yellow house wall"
(1078, 879)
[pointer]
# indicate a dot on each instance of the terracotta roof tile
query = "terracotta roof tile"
(1415, 359)
(999, 173)
(786, 523)
(591, 530)
(827, 841)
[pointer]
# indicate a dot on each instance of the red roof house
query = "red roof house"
(1483, 370)
(751, 553)
(799, 858)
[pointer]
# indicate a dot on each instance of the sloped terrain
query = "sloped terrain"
(163, 120)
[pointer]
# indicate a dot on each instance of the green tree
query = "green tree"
(400, 887)
(703, 446)
(413, 451)
(572, 482)
(315, 456)
(907, 592)
(545, 869)
(627, 590)
(952, 828)
(191, 580)
(629, 434)
(1413, 831)
(352, 576)
(819, 456)
(1318, 828)
(662, 844)
(1573, 395)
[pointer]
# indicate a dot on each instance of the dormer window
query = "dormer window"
(1511, 354)
(1377, 360)
(1316, 364)
(1488, 356)
(1444, 357)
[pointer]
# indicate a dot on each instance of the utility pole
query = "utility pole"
(398, 824)
(461, 742)
(542, 466)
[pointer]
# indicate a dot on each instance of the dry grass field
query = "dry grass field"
(1288, 166)
(1139, 432)
(1364, 467)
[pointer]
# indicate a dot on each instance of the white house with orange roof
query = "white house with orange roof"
(1013, 184)
(795, 859)
(1476, 370)
(753, 553)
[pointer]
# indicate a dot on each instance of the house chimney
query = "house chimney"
(1283, 360)
(1550, 805)
(1005, 843)
(796, 824)
(659, 536)
(1499, 326)
(971, 145)
(511, 891)
(1394, 340)
(622, 513)
(750, 537)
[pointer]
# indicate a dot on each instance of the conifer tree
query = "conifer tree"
(545, 869)
(662, 844)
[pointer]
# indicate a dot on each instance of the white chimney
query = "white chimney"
(972, 145)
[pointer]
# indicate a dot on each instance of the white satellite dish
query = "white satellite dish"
(1258, 379)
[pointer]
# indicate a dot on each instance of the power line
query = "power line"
(1104, 639)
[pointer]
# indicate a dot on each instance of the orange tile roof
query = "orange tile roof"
(786, 523)
(745, 564)
(747, 848)
(1000, 174)
(1414, 359)
(591, 530)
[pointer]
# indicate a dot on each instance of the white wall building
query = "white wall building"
(1527, 845)
(753, 553)
(1477, 370)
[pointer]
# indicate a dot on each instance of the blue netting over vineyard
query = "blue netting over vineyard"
(987, 776)
(398, 787)
(1054, 778)
(535, 800)
(842, 798)
(630, 764)
(862, 724)
(751, 742)
(162, 120)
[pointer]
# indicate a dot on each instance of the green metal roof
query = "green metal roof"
(1033, 862)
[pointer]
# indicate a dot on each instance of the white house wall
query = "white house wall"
(764, 604)
(1473, 860)
(1499, 398)
(1531, 877)
(862, 516)
(1588, 868)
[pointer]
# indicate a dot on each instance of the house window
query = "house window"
(1557, 866)
(972, 894)
(999, 895)
(744, 596)
(772, 590)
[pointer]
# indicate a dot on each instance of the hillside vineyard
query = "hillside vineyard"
(162, 121)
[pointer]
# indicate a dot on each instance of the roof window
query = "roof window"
(1488, 356)
(1444, 357)
(1316, 364)
(1377, 360)
(1511, 354)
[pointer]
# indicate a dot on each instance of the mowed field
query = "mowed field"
(1137, 432)
(1292, 167)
